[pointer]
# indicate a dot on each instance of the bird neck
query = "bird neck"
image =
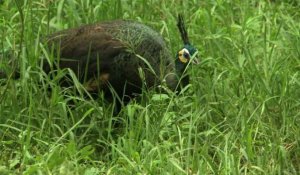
(183, 77)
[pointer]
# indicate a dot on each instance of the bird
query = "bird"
(119, 58)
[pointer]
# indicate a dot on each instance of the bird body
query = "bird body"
(118, 57)
(125, 55)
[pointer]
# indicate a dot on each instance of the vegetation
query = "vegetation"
(239, 115)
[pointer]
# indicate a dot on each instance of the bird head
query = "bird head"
(185, 54)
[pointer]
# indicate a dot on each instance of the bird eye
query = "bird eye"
(186, 55)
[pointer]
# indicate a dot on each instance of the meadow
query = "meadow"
(239, 115)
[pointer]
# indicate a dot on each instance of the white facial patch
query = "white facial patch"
(181, 55)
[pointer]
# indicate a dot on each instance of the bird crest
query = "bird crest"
(188, 50)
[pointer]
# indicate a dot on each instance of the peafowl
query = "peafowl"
(119, 57)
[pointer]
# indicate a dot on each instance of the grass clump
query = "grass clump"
(240, 115)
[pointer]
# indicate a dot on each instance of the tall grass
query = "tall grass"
(240, 115)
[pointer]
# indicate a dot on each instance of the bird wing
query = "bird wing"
(80, 42)
(79, 49)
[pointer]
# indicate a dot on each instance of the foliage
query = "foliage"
(240, 115)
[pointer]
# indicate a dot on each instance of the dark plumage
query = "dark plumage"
(112, 52)
(125, 55)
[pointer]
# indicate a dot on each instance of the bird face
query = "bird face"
(184, 56)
